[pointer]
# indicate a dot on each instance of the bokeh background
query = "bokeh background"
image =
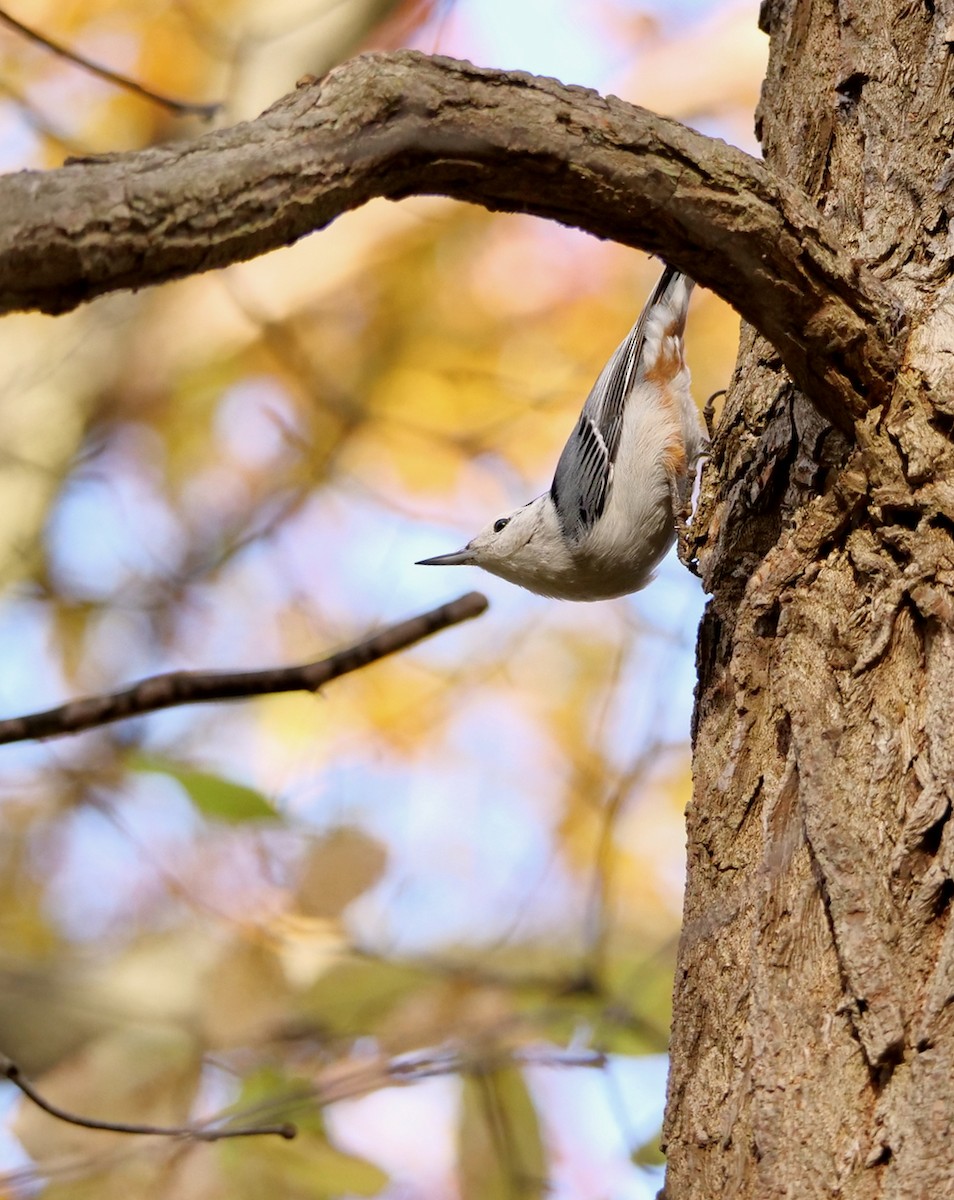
(430, 914)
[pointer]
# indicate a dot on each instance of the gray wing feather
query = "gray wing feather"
(585, 471)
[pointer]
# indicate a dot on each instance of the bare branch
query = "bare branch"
(201, 1133)
(399, 124)
(180, 107)
(201, 687)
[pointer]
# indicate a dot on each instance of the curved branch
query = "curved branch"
(202, 687)
(200, 1133)
(399, 124)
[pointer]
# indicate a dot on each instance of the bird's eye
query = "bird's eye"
(502, 523)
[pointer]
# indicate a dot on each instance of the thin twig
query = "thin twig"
(201, 687)
(182, 107)
(10, 1070)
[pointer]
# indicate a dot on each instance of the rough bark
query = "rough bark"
(402, 124)
(813, 1037)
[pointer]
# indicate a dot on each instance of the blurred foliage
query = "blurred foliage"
(402, 912)
(501, 1148)
(212, 796)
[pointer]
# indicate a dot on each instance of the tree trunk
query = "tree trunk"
(813, 1039)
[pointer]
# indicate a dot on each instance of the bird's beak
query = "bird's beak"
(459, 558)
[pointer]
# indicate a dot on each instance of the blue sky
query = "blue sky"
(550, 37)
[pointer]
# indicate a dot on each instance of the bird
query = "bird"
(622, 483)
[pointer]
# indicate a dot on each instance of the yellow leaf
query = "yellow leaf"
(338, 868)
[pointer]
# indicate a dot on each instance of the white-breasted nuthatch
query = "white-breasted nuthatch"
(623, 478)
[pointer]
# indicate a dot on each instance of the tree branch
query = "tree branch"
(201, 687)
(202, 1133)
(400, 124)
(182, 108)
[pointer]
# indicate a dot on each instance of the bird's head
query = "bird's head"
(524, 547)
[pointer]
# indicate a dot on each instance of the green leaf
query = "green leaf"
(649, 1154)
(628, 1010)
(277, 1097)
(309, 1167)
(502, 1155)
(217, 798)
(355, 997)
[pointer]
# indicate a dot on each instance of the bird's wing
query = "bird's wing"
(585, 471)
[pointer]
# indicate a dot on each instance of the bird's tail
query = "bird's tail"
(671, 296)
(660, 328)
